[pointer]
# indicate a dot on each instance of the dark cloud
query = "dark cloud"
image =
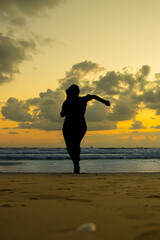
(114, 83)
(97, 117)
(142, 75)
(101, 125)
(97, 112)
(36, 113)
(12, 132)
(150, 97)
(12, 53)
(31, 7)
(124, 109)
(135, 132)
(78, 75)
(125, 83)
(16, 111)
(44, 124)
(43, 112)
(85, 67)
(48, 105)
(156, 127)
(126, 92)
(137, 125)
(16, 11)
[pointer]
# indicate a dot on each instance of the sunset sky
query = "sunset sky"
(108, 47)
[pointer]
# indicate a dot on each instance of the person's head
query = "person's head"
(73, 91)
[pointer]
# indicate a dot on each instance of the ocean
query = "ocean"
(93, 160)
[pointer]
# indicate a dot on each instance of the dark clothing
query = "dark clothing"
(74, 127)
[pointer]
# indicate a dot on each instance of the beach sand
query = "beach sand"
(52, 206)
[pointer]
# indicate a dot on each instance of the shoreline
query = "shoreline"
(83, 173)
(40, 206)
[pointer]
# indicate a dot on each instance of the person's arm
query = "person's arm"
(91, 97)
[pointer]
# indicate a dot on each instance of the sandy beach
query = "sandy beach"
(52, 206)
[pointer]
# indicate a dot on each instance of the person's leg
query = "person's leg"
(73, 140)
(77, 149)
(76, 167)
(74, 152)
(76, 157)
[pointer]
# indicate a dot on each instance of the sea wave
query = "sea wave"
(86, 153)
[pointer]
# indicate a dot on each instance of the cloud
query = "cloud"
(156, 127)
(12, 132)
(16, 111)
(44, 124)
(48, 105)
(42, 112)
(126, 92)
(13, 50)
(31, 7)
(124, 109)
(101, 125)
(114, 83)
(12, 53)
(16, 11)
(122, 83)
(97, 112)
(137, 125)
(97, 117)
(78, 75)
(150, 96)
(142, 75)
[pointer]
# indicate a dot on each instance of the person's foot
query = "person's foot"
(76, 168)
(76, 171)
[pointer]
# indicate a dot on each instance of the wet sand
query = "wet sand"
(52, 206)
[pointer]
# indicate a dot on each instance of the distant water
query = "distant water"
(93, 160)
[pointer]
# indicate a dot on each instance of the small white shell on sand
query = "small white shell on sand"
(87, 227)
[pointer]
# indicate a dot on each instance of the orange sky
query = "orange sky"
(110, 48)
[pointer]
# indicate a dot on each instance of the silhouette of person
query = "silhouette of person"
(74, 127)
